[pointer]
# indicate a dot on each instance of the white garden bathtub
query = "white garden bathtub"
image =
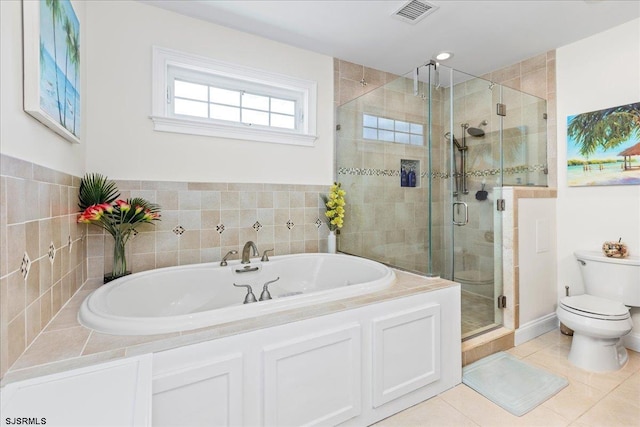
(189, 297)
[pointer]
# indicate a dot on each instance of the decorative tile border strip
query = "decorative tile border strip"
(442, 175)
(368, 172)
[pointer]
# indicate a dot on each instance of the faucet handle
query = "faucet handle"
(250, 297)
(265, 295)
(265, 257)
(224, 260)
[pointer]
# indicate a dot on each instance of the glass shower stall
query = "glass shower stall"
(424, 159)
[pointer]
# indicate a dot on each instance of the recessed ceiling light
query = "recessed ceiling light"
(443, 56)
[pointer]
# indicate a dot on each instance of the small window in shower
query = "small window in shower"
(390, 130)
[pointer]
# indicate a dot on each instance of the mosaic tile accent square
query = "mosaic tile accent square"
(52, 253)
(25, 266)
(257, 226)
(178, 230)
(220, 228)
(318, 223)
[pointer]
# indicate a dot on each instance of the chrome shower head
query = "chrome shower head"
(477, 132)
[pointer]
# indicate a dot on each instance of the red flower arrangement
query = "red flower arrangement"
(98, 199)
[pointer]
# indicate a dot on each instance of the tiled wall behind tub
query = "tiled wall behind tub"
(41, 251)
(201, 222)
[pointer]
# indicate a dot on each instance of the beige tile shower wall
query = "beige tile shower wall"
(37, 218)
(385, 221)
(536, 76)
(201, 222)
(354, 80)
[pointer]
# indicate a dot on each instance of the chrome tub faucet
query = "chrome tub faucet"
(245, 252)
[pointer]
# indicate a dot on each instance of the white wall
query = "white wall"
(594, 73)
(122, 142)
(21, 135)
(537, 258)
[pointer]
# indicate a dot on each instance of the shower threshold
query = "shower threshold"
(481, 331)
(487, 343)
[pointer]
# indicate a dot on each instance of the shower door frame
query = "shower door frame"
(458, 224)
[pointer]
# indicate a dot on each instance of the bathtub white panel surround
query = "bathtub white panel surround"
(217, 379)
(325, 367)
(319, 371)
(403, 341)
(123, 142)
(116, 393)
(396, 371)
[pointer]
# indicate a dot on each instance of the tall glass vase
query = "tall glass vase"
(119, 257)
(331, 242)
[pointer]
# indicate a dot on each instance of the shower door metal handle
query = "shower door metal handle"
(466, 214)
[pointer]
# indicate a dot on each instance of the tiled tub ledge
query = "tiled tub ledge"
(65, 344)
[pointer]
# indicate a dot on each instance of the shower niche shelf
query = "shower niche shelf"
(409, 173)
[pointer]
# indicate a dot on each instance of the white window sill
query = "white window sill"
(245, 132)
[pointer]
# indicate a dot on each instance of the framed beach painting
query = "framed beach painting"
(51, 39)
(603, 147)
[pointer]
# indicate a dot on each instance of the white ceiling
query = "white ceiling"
(483, 35)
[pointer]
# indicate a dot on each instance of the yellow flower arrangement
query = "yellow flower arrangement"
(335, 207)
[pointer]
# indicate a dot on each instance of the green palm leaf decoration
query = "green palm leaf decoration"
(134, 215)
(145, 204)
(606, 128)
(96, 189)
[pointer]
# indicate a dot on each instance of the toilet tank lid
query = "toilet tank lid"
(600, 257)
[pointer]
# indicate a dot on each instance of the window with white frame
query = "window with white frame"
(202, 96)
(391, 130)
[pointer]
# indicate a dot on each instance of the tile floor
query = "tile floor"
(590, 400)
(477, 313)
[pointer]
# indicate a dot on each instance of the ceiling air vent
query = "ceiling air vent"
(414, 11)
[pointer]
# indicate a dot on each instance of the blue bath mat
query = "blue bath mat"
(511, 383)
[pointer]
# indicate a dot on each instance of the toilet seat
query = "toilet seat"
(595, 307)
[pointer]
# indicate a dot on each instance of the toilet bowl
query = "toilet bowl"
(600, 317)
(598, 324)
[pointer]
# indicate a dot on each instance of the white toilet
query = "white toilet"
(600, 317)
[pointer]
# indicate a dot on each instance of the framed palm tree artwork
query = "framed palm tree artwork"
(51, 36)
(603, 147)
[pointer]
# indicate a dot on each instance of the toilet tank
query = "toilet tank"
(613, 278)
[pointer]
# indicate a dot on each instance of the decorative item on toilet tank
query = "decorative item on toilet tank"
(615, 249)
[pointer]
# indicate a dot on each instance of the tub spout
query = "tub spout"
(245, 252)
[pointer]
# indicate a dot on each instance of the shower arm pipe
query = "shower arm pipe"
(416, 73)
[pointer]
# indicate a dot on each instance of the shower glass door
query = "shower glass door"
(473, 141)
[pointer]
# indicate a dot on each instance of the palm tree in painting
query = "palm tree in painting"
(56, 15)
(42, 64)
(606, 128)
(68, 31)
(74, 55)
